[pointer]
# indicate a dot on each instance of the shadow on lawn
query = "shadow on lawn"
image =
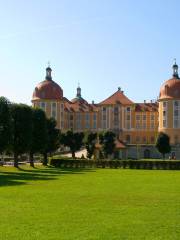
(22, 176)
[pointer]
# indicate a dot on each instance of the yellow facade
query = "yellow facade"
(134, 123)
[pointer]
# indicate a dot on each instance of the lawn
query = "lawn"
(55, 204)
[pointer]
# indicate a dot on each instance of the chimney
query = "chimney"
(144, 101)
(92, 101)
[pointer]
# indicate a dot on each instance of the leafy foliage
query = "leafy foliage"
(162, 144)
(39, 133)
(5, 124)
(72, 140)
(90, 141)
(107, 139)
(52, 138)
(21, 130)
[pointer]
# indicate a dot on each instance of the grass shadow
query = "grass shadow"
(22, 176)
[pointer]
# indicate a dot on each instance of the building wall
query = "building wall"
(131, 126)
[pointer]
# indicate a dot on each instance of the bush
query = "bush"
(104, 163)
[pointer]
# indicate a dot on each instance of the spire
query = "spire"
(175, 69)
(78, 95)
(48, 72)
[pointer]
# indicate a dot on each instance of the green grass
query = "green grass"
(53, 204)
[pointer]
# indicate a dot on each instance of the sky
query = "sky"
(102, 44)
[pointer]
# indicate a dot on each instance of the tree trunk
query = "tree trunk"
(73, 155)
(16, 160)
(45, 160)
(31, 159)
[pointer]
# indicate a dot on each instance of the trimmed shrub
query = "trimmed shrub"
(104, 163)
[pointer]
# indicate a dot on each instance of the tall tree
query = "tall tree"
(107, 139)
(21, 130)
(90, 141)
(72, 140)
(52, 139)
(5, 124)
(163, 144)
(39, 133)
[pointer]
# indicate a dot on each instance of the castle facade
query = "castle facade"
(135, 124)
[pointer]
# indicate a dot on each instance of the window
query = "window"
(152, 139)
(87, 117)
(53, 110)
(164, 123)
(104, 117)
(138, 125)
(116, 109)
(128, 109)
(128, 138)
(128, 117)
(94, 125)
(152, 117)
(152, 125)
(175, 123)
(128, 126)
(42, 105)
(176, 113)
(104, 109)
(144, 117)
(176, 139)
(164, 104)
(137, 139)
(144, 139)
(176, 104)
(94, 116)
(164, 113)
(138, 117)
(104, 124)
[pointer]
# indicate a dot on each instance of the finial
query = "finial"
(78, 91)
(48, 72)
(175, 69)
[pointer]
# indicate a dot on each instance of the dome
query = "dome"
(47, 89)
(78, 97)
(171, 88)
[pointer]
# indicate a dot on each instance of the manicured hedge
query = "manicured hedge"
(130, 164)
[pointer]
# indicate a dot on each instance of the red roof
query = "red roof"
(47, 89)
(146, 107)
(170, 89)
(80, 106)
(117, 97)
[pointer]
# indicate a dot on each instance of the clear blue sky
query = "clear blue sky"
(103, 44)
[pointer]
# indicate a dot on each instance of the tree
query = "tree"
(5, 125)
(39, 133)
(162, 144)
(72, 140)
(21, 130)
(52, 139)
(90, 141)
(107, 139)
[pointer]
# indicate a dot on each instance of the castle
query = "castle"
(135, 124)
